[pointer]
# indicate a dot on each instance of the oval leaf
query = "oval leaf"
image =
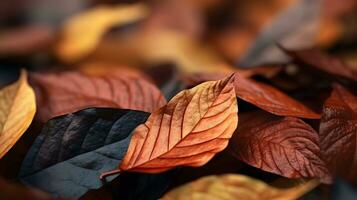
(81, 34)
(233, 186)
(189, 130)
(62, 93)
(338, 133)
(68, 156)
(271, 99)
(17, 109)
(284, 146)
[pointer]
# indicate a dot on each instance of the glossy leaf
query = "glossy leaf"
(329, 64)
(62, 93)
(82, 33)
(17, 109)
(72, 150)
(234, 186)
(338, 133)
(189, 130)
(284, 146)
(271, 99)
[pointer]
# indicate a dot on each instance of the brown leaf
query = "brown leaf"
(189, 130)
(321, 61)
(284, 146)
(15, 191)
(271, 99)
(62, 93)
(234, 186)
(17, 109)
(338, 133)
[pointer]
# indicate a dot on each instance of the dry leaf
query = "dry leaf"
(285, 146)
(271, 99)
(234, 186)
(82, 33)
(17, 109)
(329, 64)
(161, 46)
(62, 93)
(338, 132)
(189, 130)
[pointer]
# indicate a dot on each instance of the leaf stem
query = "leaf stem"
(109, 173)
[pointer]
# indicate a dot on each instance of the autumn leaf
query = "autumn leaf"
(17, 109)
(189, 130)
(62, 93)
(284, 146)
(338, 132)
(271, 99)
(234, 186)
(82, 33)
(321, 61)
(71, 151)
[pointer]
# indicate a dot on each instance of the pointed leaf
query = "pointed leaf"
(338, 133)
(62, 93)
(233, 186)
(189, 130)
(326, 63)
(271, 99)
(17, 109)
(82, 33)
(72, 150)
(284, 146)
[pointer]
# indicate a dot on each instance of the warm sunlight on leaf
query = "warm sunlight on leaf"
(17, 109)
(82, 32)
(234, 186)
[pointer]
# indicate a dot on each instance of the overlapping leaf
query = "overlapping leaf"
(285, 146)
(271, 99)
(329, 64)
(72, 150)
(82, 33)
(338, 133)
(17, 109)
(61, 93)
(189, 130)
(233, 186)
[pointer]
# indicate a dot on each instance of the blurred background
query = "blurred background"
(190, 35)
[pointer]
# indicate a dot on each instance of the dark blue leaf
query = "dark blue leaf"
(68, 156)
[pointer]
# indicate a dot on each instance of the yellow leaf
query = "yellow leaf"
(82, 33)
(234, 186)
(17, 109)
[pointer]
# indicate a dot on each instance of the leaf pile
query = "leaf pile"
(181, 100)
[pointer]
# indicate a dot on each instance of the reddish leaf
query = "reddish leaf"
(329, 64)
(189, 130)
(271, 99)
(62, 93)
(338, 133)
(285, 146)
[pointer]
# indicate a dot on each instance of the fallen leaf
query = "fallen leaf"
(271, 99)
(338, 132)
(326, 63)
(189, 130)
(25, 40)
(17, 109)
(62, 93)
(234, 186)
(82, 33)
(15, 191)
(68, 156)
(284, 146)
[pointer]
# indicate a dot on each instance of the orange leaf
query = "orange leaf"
(189, 130)
(271, 99)
(62, 93)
